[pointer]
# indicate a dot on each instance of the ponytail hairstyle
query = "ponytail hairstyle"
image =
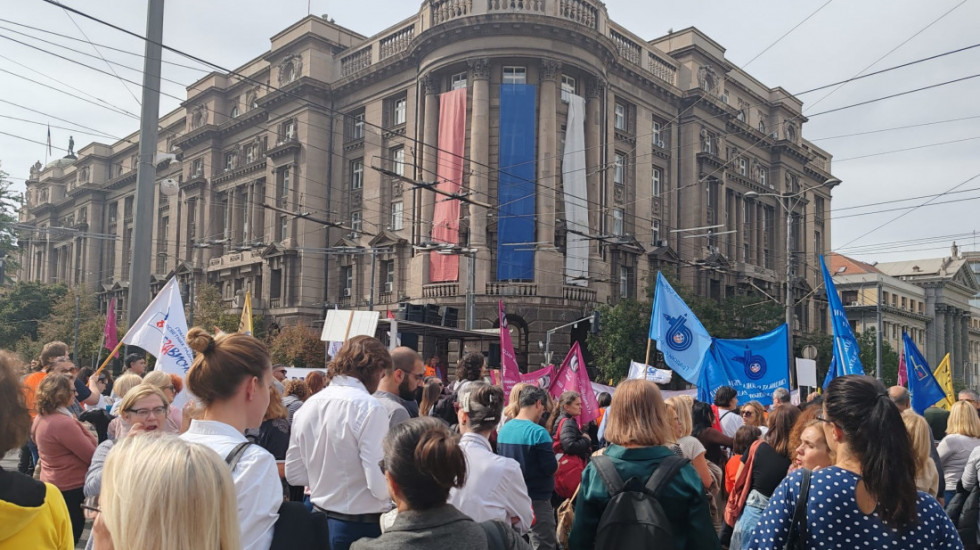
(430, 395)
(874, 431)
(425, 460)
(483, 405)
(223, 362)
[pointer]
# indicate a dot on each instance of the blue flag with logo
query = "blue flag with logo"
(846, 353)
(922, 384)
(754, 367)
(680, 336)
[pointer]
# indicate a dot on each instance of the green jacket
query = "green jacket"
(683, 499)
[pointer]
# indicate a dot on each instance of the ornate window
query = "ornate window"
(515, 75)
(357, 174)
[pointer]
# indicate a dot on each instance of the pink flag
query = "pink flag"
(541, 378)
(509, 370)
(903, 373)
(572, 376)
(111, 338)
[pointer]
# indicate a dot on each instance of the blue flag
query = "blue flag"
(680, 336)
(922, 384)
(846, 354)
(754, 366)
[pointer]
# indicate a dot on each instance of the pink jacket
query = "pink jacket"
(65, 448)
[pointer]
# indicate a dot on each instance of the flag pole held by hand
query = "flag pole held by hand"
(107, 359)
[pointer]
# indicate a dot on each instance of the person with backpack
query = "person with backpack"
(423, 461)
(868, 499)
(639, 494)
(231, 376)
(571, 443)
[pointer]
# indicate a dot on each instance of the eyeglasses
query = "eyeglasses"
(145, 413)
(747, 413)
(381, 464)
(418, 377)
(822, 419)
(170, 387)
(91, 508)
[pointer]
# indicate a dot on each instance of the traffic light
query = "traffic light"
(594, 327)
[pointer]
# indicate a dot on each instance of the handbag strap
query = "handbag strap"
(236, 454)
(798, 527)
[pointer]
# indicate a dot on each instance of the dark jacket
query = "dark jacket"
(571, 438)
(440, 528)
(682, 500)
(530, 445)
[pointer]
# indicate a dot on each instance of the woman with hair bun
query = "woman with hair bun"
(868, 499)
(232, 377)
(494, 488)
(422, 463)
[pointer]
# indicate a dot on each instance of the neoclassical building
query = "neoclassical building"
(572, 160)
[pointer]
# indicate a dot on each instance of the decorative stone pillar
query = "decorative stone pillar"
(548, 264)
(430, 144)
(593, 151)
(479, 183)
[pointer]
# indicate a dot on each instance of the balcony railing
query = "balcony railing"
(627, 48)
(515, 5)
(440, 290)
(578, 294)
(579, 11)
(512, 289)
(396, 42)
(355, 62)
(447, 10)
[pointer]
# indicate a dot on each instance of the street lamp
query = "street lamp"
(788, 208)
(456, 250)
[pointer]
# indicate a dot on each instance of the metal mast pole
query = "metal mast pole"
(139, 273)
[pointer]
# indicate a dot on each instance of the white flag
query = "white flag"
(646, 372)
(162, 331)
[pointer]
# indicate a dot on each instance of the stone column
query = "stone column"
(478, 177)
(430, 143)
(963, 345)
(548, 265)
(593, 152)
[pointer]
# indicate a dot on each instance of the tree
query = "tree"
(299, 346)
(209, 312)
(889, 357)
(23, 306)
(622, 338)
(60, 325)
(10, 203)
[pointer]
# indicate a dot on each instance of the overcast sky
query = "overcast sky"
(839, 40)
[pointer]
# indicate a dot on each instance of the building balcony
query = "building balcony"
(512, 289)
(440, 290)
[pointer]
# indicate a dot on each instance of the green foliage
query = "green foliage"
(209, 310)
(889, 357)
(60, 325)
(299, 346)
(825, 351)
(10, 203)
(623, 338)
(22, 307)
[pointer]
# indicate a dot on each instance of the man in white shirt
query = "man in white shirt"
(726, 399)
(399, 383)
(335, 444)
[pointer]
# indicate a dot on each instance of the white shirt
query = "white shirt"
(335, 448)
(730, 422)
(256, 477)
(494, 488)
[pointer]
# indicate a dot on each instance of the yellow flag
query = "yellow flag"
(245, 325)
(945, 379)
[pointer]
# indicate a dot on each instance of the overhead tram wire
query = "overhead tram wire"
(59, 90)
(894, 128)
(243, 77)
(102, 57)
(787, 33)
(899, 94)
(56, 118)
(76, 129)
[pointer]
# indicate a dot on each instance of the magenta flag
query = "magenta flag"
(572, 376)
(903, 373)
(510, 372)
(111, 338)
(541, 378)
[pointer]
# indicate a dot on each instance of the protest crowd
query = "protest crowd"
(387, 450)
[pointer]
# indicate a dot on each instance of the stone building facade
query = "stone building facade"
(296, 174)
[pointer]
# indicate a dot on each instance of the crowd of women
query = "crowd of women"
(474, 468)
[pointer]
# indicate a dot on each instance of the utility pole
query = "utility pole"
(139, 273)
(878, 331)
(789, 293)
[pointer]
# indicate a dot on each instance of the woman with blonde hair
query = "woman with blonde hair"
(754, 415)
(231, 377)
(638, 430)
(962, 436)
(192, 493)
(165, 384)
(926, 474)
(690, 448)
(513, 404)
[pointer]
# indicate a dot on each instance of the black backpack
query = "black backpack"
(634, 518)
(963, 509)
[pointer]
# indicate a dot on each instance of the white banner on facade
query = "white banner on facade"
(576, 195)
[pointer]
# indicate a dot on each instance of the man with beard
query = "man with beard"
(399, 382)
